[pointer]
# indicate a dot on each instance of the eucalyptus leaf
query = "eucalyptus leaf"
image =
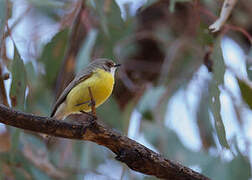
(52, 55)
(246, 92)
(113, 27)
(109, 111)
(32, 78)
(239, 168)
(37, 174)
(173, 147)
(218, 79)
(249, 65)
(3, 15)
(15, 135)
(215, 108)
(203, 121)
(149, 101)
(19, 81)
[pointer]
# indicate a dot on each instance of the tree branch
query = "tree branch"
(135, 155)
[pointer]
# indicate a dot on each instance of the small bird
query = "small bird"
(91, 87)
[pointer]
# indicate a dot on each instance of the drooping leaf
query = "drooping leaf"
(203, 121)
(246, 92)
(19, 81)
(113, 27)
(53, 54)
(39, 100)
(109, 111)
(15, 134)
(173, 148)
(32, 76)
(215, 108)
(203, 36)
(240, 162)
(85, 51)
(149, 101)
(218, 63)
(3, 14)
(218, 79)
(239, 168)
(39, 97)
(249, 65)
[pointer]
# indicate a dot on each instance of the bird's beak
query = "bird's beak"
(117, 65)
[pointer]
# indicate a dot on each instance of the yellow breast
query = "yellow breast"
(101, 83)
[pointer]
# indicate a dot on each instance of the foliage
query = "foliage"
(162, 48)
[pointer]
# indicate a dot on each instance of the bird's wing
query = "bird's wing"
(83, 75)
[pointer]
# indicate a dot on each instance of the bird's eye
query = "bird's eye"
(109, 64)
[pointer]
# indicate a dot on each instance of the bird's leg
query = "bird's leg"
(83, 112)
(92, 103)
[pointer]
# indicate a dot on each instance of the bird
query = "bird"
(90, 88)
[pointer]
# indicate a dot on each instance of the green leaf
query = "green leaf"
(249, 65)
(15, 135)
(110, 112)
(113, 28)
(203, 121)
(149, 101)
(38, 174)
(53, 54)
(215, 108)
(173, 148)
(99, 6)
(84, 54)
(19, 81)
(218, 79)
(203, 36)
(3, 14)
(246, 92)
(32, 77)
(218, 63)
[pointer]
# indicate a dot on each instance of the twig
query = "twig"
(226, 10)
(228, 26)
(135, 155)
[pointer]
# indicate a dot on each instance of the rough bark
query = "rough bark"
(128, 151)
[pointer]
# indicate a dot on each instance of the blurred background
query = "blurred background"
(181, 91)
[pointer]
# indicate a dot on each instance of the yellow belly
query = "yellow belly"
(101, 84)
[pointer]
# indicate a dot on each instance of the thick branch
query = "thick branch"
(135, 155)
